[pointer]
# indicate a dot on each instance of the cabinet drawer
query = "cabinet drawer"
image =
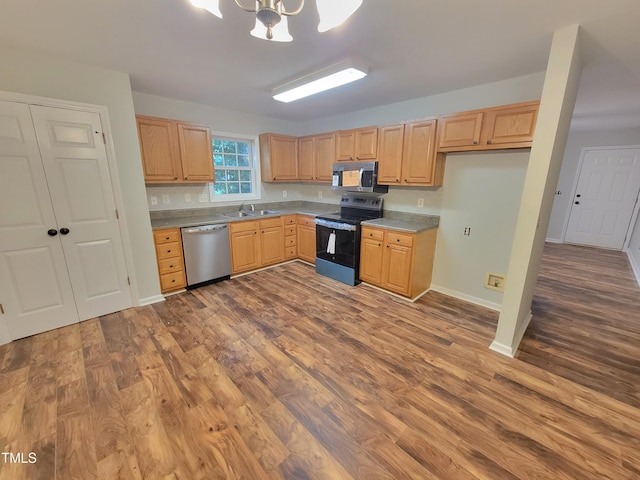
(372, 233)
(170, 265)
(289, 219)
(290, 230)
(168, 250)
(400, 239)
(289, 241)
(165, 236)
(172, 281)
(290, 252)
(306, 220)
(243, 226)
(271, 222)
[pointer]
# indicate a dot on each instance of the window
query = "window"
(234, 162)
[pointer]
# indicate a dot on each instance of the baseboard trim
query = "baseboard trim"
(150, 300)
(635, 266)
(553, 240)
(467, 298)
(510, 350)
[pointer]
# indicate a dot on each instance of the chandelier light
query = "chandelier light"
(271, 15)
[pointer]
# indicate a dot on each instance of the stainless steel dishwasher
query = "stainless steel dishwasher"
(207, 254)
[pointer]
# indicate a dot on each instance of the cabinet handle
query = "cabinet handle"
(173, 281)
(175, 178)
(387, 246)
(488, 142)
(170, 266)
(475, 142)
(274, 178)
(166, 238)
(186, 178)
(406, 180)
(379, 244)
(397, 239)
(168, 251)
(397, 179)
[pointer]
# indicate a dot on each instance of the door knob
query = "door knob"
(52, 232)
(578, 195)
(64, 230)
(577, 203)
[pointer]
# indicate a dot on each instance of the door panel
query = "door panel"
(35, 289)
(75, 162)
(605, 198)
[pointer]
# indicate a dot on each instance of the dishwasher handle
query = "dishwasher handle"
(205, 229)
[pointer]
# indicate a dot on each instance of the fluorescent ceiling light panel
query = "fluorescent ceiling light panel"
(211, 6)
(316, 82)
(334, 12)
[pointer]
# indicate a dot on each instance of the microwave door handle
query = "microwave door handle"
(360, 178)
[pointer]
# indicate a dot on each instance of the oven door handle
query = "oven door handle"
(336, 225)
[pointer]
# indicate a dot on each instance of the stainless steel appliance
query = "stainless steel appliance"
(207, 254)
(357, 177)
(338, 236)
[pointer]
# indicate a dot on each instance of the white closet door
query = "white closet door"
(35, 289)
(75, 161)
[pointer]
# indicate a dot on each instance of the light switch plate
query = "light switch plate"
(187, 197)
(165, 199)
(203, 197)
(154, 200)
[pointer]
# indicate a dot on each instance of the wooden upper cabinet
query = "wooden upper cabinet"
(325, 150)
(278, 157)
(407, 154)
(390, 145)
(460, 130)
(195, 152)
(174, 152)
(513, 124)
(306, 160)
(159, 149)
(358, 144)
(506, 126)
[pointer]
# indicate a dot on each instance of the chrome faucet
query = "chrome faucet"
(253, 208)
(241, 207)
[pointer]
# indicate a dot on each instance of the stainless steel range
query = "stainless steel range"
(338, 236)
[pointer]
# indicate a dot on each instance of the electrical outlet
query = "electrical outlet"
(495, 281)
(187, 197)
(467, 231)
(421, 202)
(154, 200)
(202, 198)
(165, 199)
(284, 194)
(319, 193)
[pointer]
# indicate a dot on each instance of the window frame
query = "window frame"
(255, 161)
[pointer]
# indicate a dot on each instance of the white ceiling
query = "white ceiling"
(414, 48)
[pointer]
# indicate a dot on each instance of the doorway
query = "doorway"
(605, 198)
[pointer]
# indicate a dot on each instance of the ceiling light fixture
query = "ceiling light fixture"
(333, 76)
(271, 15)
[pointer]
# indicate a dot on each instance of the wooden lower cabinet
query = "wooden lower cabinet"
(168, 243)
(397, 261)
(290, 237)
(306, 238)
(256, 244)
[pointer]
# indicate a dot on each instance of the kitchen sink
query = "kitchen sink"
(267, 212)
(239, 214)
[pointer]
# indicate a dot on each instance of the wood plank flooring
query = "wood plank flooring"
(284, 374)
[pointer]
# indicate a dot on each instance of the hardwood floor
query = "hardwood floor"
(286, 374)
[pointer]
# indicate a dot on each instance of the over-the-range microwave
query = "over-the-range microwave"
(357, 177)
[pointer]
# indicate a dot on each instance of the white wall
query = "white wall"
(575, 143)
(481, 191)
(634, 250)
(28, 73)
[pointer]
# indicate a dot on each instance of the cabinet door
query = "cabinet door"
(195, 153)
(345, 145)
(512, 125)
(271, 245)
(371, 252)
(307, 243)
(325, 154)
(461, 130)
(159, 150)
(366, 143)
(390, 142)
(245, 250)
(306, 160)
(419, 156)
(282, 158)
(396, 273)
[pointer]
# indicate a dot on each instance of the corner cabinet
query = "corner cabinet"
(507, 126)
(174, 151)
(407, 154)
(400, 262)
(168, 243)
(278, 157)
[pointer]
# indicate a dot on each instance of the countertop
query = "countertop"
(392, 220)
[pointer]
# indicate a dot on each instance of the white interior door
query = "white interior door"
(75, 161)
(35, 289)
(605, 198)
